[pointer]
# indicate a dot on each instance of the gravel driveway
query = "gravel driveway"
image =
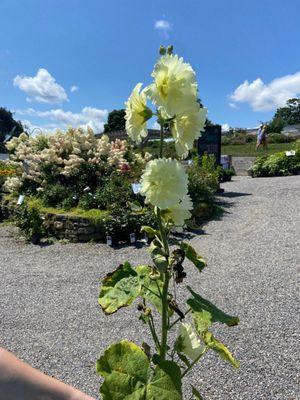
(49, 315)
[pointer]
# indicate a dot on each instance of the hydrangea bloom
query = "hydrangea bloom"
(187, 127)
(65, 152)
(164, 182)
(174, 87)
(179, 213)
(137, 114)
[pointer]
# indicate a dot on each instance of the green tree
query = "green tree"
(290, 114)
(115, 121)
(9, 127)
(276, 125)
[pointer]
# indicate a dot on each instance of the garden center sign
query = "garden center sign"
(210, 142)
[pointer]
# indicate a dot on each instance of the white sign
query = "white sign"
(109, 240)
(20, 199)
(290, 153)
(136, 187)
(132, 238)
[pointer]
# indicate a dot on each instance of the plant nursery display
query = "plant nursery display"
(157, 370)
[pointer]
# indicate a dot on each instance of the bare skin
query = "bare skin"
(19, 381)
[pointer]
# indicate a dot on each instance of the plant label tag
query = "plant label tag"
(109, 240)
(132, 238)
(20, 199)
(87, 189)
(136, 187)
(290, 153)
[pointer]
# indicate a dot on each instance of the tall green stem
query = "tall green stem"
(161, 140)
(165, 307)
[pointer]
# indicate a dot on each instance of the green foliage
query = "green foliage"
(115, 121)
(226, 174)
(119, 288)
(280, 138)
(30, 222)
(153, 147)
(205, 313)
(290, 114)
(203, 181)
(9, 127)
(127, 373)
(277, 164)
(276, 125)
(193, 256)
(219, 348)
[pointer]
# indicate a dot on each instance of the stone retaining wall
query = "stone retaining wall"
(75, 229)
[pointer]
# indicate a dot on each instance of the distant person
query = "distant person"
(19, 381)
(262, 137)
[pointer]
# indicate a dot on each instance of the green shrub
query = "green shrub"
(277, 164)
(30, 222)
(250, 138)
(226, 174)
(54, 195)
(203, 180)
(281, 138)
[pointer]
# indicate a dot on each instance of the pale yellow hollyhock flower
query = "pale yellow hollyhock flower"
(191, 345)
(137, 114)
(180, 212)
(164, 182)
(187, 127)
(175, 87)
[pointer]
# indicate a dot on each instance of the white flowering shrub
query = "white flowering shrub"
(67, 163)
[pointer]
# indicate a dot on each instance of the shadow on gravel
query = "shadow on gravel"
(233, 194)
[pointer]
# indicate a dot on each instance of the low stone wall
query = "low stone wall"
(75, 229)
(242, 164)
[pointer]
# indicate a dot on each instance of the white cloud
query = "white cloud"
(225, 128)
(73, 88)
(233, 105)
(268, 97)
(163, 26)
(88, 116)
(41, 88)
(155, 125)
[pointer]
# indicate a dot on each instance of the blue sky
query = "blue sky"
(70, 61)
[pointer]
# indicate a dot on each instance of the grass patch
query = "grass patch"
(93, 215)
(248, 149)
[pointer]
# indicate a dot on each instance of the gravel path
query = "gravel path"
(50, 318)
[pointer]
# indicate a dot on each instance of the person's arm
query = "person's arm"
(19, 381)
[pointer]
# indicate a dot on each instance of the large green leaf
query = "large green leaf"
(150, 288)
(158, 255)
(151, 233)
(128, 375)
(119, 288)
(193, 256)
(205, 313)
(219, 348)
